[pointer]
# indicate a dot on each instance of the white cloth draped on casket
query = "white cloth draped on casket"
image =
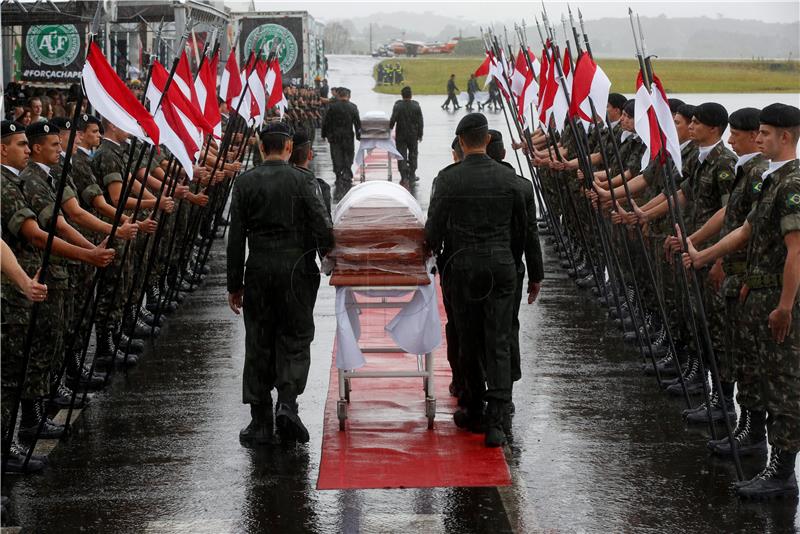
(416, 328)
(375, 133)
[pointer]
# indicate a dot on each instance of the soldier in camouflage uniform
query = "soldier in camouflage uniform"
(771, 300)
(407, 117)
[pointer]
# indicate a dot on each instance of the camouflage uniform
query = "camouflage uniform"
(707, 190)
(108, 165)
(17, 308)
(774, 384)
(745, 192)
(39, 188)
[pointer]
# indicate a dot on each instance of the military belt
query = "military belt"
(735, 267)
(763, 281)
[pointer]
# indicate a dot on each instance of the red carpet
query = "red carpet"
(387, 443)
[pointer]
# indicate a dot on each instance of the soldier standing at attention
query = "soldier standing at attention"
(340, 123)
(452, 92)
(407, 117)
(275, 209)
(771, 305)
(477, 209)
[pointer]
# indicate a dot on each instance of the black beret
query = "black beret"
(472, 121)
(630, 107)
(278, 128)
(745, 119)
(675, 104)
(712, 114)
(300, 139)
(85, 120)
(780, 116)
(62, 123)
(40, 129)
(617, 100)
(496, 137)
(454, 145)
(687, 110)
(11, 128)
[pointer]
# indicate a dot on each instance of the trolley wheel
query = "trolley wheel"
(341, 413)
(347, 389)
(430, 411)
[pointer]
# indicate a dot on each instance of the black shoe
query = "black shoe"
(778, 480)
(290, 427)
(470, 419)
(63, 398)
(32, 414)
(16, 461)
(132, 345)
(750, 436)
(494, 424)
(259, 430)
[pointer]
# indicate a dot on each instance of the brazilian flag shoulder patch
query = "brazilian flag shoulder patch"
(724, 175)
(757, 186)
(793, 200)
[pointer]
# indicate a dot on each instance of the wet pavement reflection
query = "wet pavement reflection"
(596, 448)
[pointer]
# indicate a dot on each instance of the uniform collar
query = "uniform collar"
(112, 141)
(685, 143)
(704, 151)
(774, 166)
(44, 167)
(625, 134)
(85, 150)
(614, 124)
(11, 169)
(744, 159)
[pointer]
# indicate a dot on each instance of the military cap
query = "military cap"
(686, 110)
(62, 123)
(712, 114)
(472, 121)
(745, 119)
(11, 128)
(630, 107)
(617, 100)
(277, 128)
(496, 137)
(454, 145)
(780, 116)
(85, 120)
(300, 139)
(675, 104)
(41, 129)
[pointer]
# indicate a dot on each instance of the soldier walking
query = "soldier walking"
(407, 117)
(340, 124)
(452, 93)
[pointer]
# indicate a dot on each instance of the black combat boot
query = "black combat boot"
(493, 422)
(32, 414)
(63, 397)
(470, 417)
(82, 379)
(692, 377)
(104, 351)
(721, 407)
(586, 282)
(125, 343)
(259, 430)
(134, 326)
(156, 298)
(750, 436)
(290, 427)
(16, 460)
(776, 481)
(148, 318)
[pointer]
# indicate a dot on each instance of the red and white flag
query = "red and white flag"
(230, 85)
(245, 103)
(181, 123)
(520, 74)
(646, 123)
(257, 78)
(589, 83)
(561, 101)
(274, 86)
(483, 70)
(498, 73)
(113, 100)
(666, 122)
(206, 89)
(534, 61)
(184, 80)
(526, 101)
(544, 71)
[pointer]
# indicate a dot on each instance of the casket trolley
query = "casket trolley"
(379, 257)
(375, 135)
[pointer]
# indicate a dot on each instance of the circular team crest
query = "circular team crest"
(53, 44)
(263, 38)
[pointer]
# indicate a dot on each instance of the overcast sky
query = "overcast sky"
(478, 11)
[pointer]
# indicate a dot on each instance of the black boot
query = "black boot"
(32, 414)
(493, 422)
(76, 379)
(135, 327)
(148, 318)
(63, 397)
(260, 428)
(470, 418)
(721, 407)
(750, 436)
(290, 427)
(16, 460)
(156, 298)
(125, 343)
(104, 352)
(692, 377)
(776, 481)
(666, 365)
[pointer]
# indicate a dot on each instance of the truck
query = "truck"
(300, 44)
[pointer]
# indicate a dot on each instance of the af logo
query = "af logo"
(53, 44)
(264, 37)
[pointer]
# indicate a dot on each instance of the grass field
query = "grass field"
(428, 76)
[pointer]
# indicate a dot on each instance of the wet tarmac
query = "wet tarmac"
(596, 448)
